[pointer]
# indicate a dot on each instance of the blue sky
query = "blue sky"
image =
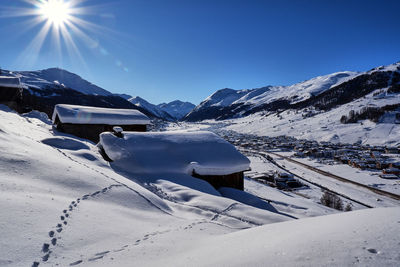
(164, 50)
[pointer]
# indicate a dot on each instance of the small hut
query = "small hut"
(10, 91)
(202, 155)
(89, 122)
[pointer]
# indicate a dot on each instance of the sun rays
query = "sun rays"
(62, 33)
(62, 22)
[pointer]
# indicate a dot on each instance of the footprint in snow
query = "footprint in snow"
(45, 247)
(46, 257)
(102, 253)
(373, 251)
(75, 263)
(95, 193)
(35, 264)
(54, 241)
(96, 258)
(51, 233)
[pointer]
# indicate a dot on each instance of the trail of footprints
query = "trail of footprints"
(46, 248)
(54, 234)
(101, 255)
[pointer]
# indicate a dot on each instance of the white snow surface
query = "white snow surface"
(174, 152)
(334, 240)
(61, 204)
(94, 115)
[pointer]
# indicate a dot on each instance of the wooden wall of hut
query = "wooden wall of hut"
(92, 131)
(234, 180)
(10, 94)
(11, 97)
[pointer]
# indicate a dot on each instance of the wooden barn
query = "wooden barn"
(203, 155)
(89, 122)
(234, 180)
(10, 91)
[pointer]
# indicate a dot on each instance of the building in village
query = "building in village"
(89, 122)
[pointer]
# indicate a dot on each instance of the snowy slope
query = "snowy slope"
(354, 238)
(61, 204)
(54, 76)
(177, 108)
(140, 102)
(325, 126)
(252, 98)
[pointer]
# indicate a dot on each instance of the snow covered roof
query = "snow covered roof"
(7, 81)
(93, 115)
(174, 152)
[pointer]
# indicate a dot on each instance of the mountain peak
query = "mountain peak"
(43, 78)
(177, 109)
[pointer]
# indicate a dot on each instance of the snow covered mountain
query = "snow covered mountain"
(43, 89)
(364, 110)
(336, 89)
(172, 111)
(42, 79)
(177, 108)
(158, 112)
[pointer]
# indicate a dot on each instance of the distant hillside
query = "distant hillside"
(177, 108)
(151, 108)
(45, 88)
(228, 103)
(322, 93)
(42, 79)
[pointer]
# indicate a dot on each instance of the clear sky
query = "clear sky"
(164, 50)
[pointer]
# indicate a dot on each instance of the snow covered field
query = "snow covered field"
(324, 126)
(61, 204)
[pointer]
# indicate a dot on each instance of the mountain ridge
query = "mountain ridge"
(229, 103)
(55, 85)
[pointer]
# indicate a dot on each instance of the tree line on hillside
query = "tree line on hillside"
(369, 113)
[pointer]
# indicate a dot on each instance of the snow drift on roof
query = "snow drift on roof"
(6, 81)
(93, 115)
(174, 152)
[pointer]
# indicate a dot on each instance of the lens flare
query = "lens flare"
(57, 12)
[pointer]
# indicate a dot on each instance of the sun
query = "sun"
(67, 23)
(57, 12)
